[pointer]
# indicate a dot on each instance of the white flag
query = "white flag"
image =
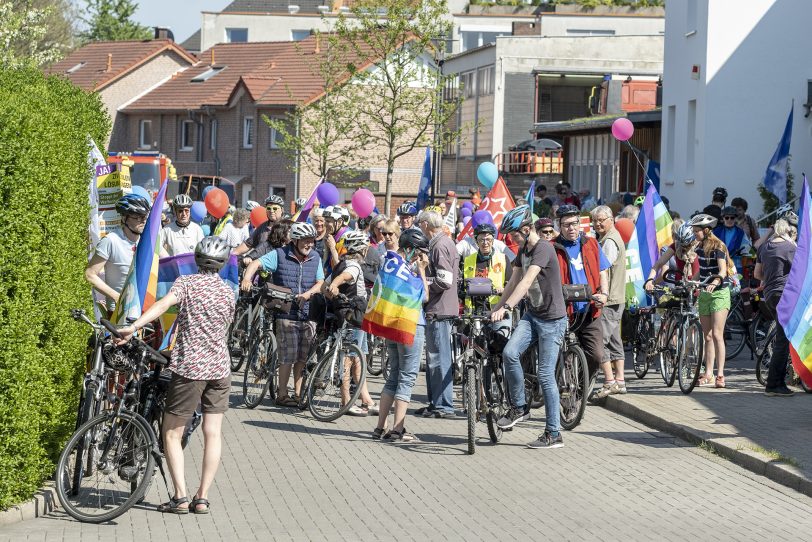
(451, 216)
(95, 159)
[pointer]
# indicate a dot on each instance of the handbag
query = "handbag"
(277, 302)
(576, 293)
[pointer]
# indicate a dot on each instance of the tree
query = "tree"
(24, 35)
(110, 20)
(325, 134)
(771, 202)
(403, 108)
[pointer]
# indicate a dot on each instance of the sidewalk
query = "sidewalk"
(770, 436)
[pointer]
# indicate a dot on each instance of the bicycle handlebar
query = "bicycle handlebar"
(153, 354)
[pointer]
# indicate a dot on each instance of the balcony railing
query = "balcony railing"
(531, 162)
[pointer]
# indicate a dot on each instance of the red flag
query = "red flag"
(497, 202)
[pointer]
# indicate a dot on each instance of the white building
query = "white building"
(732, 69)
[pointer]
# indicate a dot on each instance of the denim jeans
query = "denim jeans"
(404, 364)
(439, 375)
(550, 335)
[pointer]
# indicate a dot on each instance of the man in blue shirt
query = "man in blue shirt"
(735, 239)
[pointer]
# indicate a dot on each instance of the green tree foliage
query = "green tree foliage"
(26, 39)
(110, 20)
(771, 202)
(44, 176)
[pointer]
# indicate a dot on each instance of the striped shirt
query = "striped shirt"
(709, 264)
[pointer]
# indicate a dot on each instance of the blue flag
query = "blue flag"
(425, 182)
(653, 172)
(531, 196)
(775, 178)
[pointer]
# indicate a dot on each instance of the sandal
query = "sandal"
(173, 506)
(197, 501)
(400, 437)
(706, 380)
(287, 401)
(720, 381)
(378, 433)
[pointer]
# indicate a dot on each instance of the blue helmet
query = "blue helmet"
(407, 208)
(133, 204)
(516, 218)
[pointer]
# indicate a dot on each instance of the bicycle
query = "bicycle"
(246, 315)
(765, 358)
(114, 452)
(377, 364)
(644, 340)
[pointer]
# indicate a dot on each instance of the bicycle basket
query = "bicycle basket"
(117, 357)
(277, 298)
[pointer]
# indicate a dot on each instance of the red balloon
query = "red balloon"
(258, 216)
(625, 228)
(216, 202)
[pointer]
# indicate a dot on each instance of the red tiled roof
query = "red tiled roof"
(100, 63)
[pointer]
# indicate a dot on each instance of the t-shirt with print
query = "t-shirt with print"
(205, 310)
(576, 264)
(545, 296)
(117, 251)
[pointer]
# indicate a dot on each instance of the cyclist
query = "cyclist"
(745, 221)
(714, 300)
(390, 231)
(682, 251)
(236, 232)
(335, 222)
(406, 213)
(298, 268)
(545, 229)
(582, 261)
(469, 246)
(300, 203)
(734, 238)
(348, 279)
(114, 253)
(200, 367)
(182, 235)
(257, 245)
(536, 279)
(404, 360)
(318, 222)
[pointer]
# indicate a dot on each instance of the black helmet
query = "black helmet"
(719, 193)
(414, 239)
(212, 253)
(515, 219)
(729, 211)
(133, 204)
(567, 210)
(485, 228)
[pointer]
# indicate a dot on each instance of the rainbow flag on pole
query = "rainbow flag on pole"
(795, 308)
(395, 303)
(652, 233)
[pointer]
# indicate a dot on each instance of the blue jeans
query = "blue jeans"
(439, 376)
(550, 335)
(404, 364)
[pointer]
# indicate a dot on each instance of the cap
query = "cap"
(451, 194)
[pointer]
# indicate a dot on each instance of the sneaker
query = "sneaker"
(607, 390)
(512, 417)
(621, 386)
(373, 409)
(547, 440)
(355, 410)
(780, 391)
(445, 415)
(425, 411)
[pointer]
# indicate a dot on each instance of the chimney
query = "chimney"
(163, 33)
(212, 56)
(318, 44)
(109, 62)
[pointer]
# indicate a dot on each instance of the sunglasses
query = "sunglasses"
(547, 232)
(273, 208)
(730, 218)
(387, 233)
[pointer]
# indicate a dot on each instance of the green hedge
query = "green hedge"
(44, 175)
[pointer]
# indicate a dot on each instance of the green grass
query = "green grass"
(775, 455)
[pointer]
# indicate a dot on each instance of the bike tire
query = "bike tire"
(257, 376)
(668, 354)
(532, 391)
(759, 329)
(471, 392)
(496, 402)
(764, 357)
(690, 359)
(324, 391)
(640, 349)
(238, 335)
(135, 441)
(735, 333)
(572, 379)
(377, 355)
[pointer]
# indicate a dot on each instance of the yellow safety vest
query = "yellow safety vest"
(222, 224)
(496, 272)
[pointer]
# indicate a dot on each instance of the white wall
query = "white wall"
(553, 24)
(754, 60)
(260, 27)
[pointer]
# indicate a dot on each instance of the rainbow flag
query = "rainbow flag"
(652, 233)
(395, 303)
(140, 288)
(795, 308)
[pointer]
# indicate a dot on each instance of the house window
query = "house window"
(467, 84)
(186, 135)
(236, 35)
(145, 134)
(248, 133)
(474, 39)
(213, 134)
(299, 35)
(485, 78)
(278, 191)
(275, 137)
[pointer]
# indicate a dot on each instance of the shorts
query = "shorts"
(717, 301)
(184, 394)
(359, 337)
(611, 315)
(294, 339)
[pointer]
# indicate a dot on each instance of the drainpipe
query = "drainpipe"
(296, 170)
(213, 117)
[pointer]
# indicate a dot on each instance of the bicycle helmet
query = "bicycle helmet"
(182, 201)
(250, 205)
(543, 222)
(730, 211)
(300, 202)
(407, 208)
(567, 210)
(719, 193)
(334, 212)
(685, 235)
(516, 218)
(302, 230)
(133, 204)
(702, 221)
(355, 241)
(784, 209)
(212, 253)
(484, 229)
(345, 214)
(639, 200)
(275, 200)
(414, 239)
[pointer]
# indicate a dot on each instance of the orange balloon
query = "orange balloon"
(625, 228)
(258, 216)
(216, 202)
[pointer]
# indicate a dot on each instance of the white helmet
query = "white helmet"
(355, 241)
(345, 214)
(334, 212)
(250, 205)
(703, 221)
(302, 230)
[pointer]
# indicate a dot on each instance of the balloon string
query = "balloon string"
(634, 153)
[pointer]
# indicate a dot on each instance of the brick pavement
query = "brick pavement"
(285, 476)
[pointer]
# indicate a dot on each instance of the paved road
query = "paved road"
(288, 477)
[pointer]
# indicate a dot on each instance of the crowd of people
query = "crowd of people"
(527, 257)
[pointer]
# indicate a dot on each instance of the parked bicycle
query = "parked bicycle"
(765, 357)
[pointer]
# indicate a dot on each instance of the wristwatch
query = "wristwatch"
(507, 307)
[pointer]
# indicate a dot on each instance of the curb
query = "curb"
(44, 502)
(777, 471)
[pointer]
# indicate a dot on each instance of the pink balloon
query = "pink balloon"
(363, 202)
(622, 129)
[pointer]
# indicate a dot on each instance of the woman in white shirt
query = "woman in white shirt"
(236, 231)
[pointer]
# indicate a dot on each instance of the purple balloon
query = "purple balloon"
(327, 194)
(468, 205)
(466, 212)
(482, 217)
(465, 220)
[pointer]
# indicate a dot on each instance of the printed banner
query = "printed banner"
(395, 303)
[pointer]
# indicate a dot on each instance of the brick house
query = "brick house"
(208, 119)
(122, 71)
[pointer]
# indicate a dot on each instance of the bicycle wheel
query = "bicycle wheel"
(377, 355)
(324, 390)
(492, 379)
(764, 357)
(471, 391)
(257, 377)
(668, 352)
(759, 328)
(122, 450)
(572, 378)
(640, 349)
(532, 391)
(735, 333)
(238, 334)
(690, 359)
